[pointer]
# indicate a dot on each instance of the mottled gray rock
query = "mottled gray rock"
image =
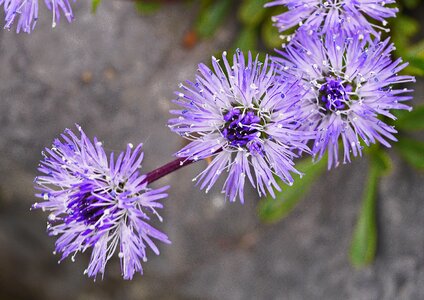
(114, 74)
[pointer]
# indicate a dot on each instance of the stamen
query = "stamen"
(242, 129)
(334, 95)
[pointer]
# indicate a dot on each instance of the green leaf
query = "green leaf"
(211, 17)
(382, 161)
(364, 241)
(252, 12)
(146, 7)
(412, 151)
(272, 210)
(247, 40)
(413, 120)
(94, 5)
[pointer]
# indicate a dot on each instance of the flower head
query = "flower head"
(26, 13)
(324, 15)
(99, 204)
(351, 88)
(245, 119)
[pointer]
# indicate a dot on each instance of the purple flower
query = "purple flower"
(245, 119)
(352, 86)
(99, 204)
(351, 16)
(26, 12)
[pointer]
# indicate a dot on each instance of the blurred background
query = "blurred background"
(114, 73)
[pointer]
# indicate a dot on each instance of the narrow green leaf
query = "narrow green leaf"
(211, 17)
(413, 120)
(247, 40)
(94, 5)
(272, 210)
(146, 7)
(382, 160)
(364, 241)
(412, 151)
(252, 12)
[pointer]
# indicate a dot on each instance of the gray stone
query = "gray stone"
(114, 73)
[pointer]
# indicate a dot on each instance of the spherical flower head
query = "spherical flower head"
(243, 118)
(352, 86)
(26, 13)
(99, 204)
(350, 16)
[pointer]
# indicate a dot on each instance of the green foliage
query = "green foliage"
(270, 35)
(272, 210)
(411, 4)
(252, 12)
(247, 40)
(256, 25)
(211, 17)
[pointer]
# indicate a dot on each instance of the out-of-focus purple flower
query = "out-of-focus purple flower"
(99, 204)
(352, 86)
(246, 119)
(350, 16)
(25, 13)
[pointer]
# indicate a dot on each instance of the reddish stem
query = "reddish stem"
(166, 169)
(170, 167)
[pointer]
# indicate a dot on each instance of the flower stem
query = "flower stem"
(170, 167)
(166, 169)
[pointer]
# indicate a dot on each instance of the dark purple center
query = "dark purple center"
(333, 94)
(86, 207)
(241, 129)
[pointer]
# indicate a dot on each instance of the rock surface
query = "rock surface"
(114, 74)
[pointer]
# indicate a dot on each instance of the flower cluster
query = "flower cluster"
(99, 204)
(350, 86)
(347, 69)
(247, 119)
(25, 13)
(322, 16)
(333, 86)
